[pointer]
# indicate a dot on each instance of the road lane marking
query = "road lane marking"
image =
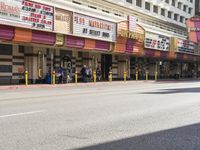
(22, 114)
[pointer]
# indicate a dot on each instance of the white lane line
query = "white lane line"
(22, 114)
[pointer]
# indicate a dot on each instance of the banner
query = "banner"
(62, 21)
(193, 25)
(94, 28)
(158, 42)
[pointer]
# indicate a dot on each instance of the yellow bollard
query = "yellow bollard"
(147, 75)
(95, 76)
(110, 76)
(26, 77)
(76, 77)
(156, 75)
(54, 77)
(136, 76)
(125, 76)
(40, 73)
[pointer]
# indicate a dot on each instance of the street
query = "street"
(107, 116)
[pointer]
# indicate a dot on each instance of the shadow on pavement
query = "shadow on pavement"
(173, 91)
(183, 138)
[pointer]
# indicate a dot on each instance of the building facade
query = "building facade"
(135, 36)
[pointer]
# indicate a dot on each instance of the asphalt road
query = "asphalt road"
(119, 116)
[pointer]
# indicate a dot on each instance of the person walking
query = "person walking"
(98, 73)
(60, 75)
(83, 73)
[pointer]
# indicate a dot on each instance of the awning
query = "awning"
(6, 32)
(43, 37)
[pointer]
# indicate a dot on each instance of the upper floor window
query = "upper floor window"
(181, 19)
(162, 12)
(190, 10)
(167, 1)
(129, 1)
(184, 8)
(176, 17)
(173, 2)
(139, 3)
(147, 5)
(179, 5)
(169, 14)
(155, 9)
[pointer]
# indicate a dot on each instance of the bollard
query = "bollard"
(110, 76)
(54, 77)
(76, 77)
(26, 77)
(136, 76)
(147, 75)
(125, 76)
(39, 73)
(156, 75)
(95, 76)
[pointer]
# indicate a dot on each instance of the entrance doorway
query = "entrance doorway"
(66, 64)
(106, 64)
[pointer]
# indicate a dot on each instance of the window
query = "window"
(139, 3)
(167, 1)
(92, 7)
(76, 2)
(181, 19)
(179, 5)
(184, 8)
(176, 17)
(129, 1)
(162, 12)
(169, 14)
(155, 9)
(105, 11)
(173, 3)
(190, 10)
(191, 1)
(147, 6)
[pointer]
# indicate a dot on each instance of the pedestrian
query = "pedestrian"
(98, 73)
(83, 73)
(90, 74)
(60, 75)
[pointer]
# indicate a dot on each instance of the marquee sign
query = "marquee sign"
(158, 42)
(37, 16)
(94, 28)
(185, 46)
(24, 13)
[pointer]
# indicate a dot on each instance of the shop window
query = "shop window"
(139, 3)
(155, 9)
(5, 49)
(147, 6)
(6, 68)
(21, 49)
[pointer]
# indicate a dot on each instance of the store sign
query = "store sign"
(132, 35)
(37, 16)
(158, 42)
(94, 28)
(10, 10)
(185, 46)
(132, 23)
(62, 21)
(193, 25)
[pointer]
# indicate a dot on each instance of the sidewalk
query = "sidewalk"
(32, 86)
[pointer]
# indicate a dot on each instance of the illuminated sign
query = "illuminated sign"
(132, 35)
